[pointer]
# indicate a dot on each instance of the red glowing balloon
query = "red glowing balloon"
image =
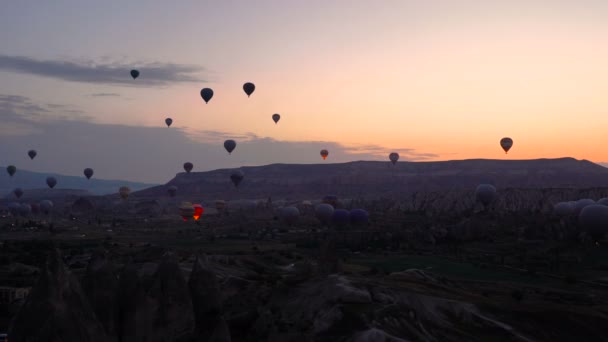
(198, 211)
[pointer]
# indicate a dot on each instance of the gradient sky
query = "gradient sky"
(433, 80)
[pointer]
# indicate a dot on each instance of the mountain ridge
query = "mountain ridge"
(33, 180)
(379, 178)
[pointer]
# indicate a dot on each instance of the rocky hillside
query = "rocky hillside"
(380, 179)
(276, 297)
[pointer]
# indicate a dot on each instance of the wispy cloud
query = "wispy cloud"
(105, 95)
(381, 151)
(21, 114)
(151, 73)
(151, 154)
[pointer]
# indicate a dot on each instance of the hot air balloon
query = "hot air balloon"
(198, 211)
(359, 216)
(88, 172)
(249, 88)
(35, 208)
(220, 204)
(229, 145)
(324, 154)
(172, 190)
(276, 118)
(506, 144)
(51, 182)
(289, 215)
(188, 167)
(563, 209)
(168, 121)
(581, 204)
(18, 192)
(32, 153)
(206, 94)
(236, 178)
(186, 210)
(594, 218)
(324, 212)
(134, 74)
(331, 200)
(485, 193)
(11, 169)
(124, 192)
(25, 209)
(340, 217)
(393, 157)
(13, 208)
(46, 206)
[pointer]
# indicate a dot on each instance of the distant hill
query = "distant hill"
(371, 179)
(29, 180)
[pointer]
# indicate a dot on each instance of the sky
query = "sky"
(432, 80)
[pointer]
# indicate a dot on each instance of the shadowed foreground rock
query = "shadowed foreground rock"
(155, 306)
(100, 284)
(206, 299)
(56, 309)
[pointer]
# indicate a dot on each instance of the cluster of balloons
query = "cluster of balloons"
(25, 209)
(188, 210)
(51, 182)
(591, 215)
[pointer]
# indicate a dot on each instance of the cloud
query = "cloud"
(151, 74)
(105, 95)
(20, 115)
(150, 154)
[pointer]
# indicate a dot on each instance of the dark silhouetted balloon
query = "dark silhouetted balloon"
(340, 217)
(237, 177)
(51, 182)
(18, 192)
(485, 193)
(276, 118)
(168, 121)
(35, 208)
(220, 204)
(172, 190)
(359, 216)
(88, 172)
(594, 218)
(229, 145)
(563, 209)
(393, 157)
(13, 208)
(249, 88)
(324, 154)
(32, 153)
(581, 204)
(46, 206)
(11, 169)
(324, 211)
(188, 167)
(134, 74)
(506, 144)
(206, 94)
(289, 215)
(331, 200)
(25, 209)
(124, 192)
